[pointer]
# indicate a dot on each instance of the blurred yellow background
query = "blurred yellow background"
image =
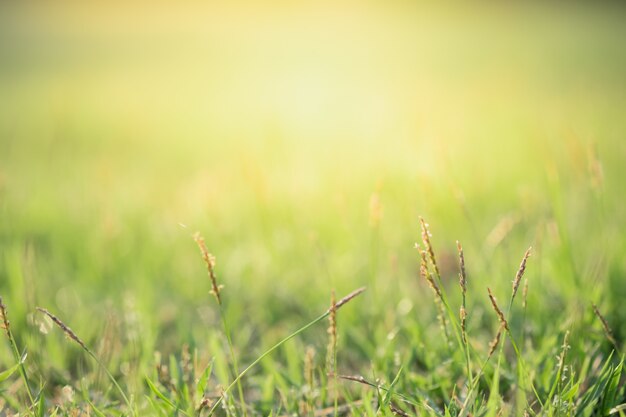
(268, 122)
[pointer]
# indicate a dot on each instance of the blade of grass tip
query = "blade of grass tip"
(70, 333)
(589, 399)
(390, 391)
(611, 392)
(323, 316)
(41, 407)
(4, 375)
(203, 381)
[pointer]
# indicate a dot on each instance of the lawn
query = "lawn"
(301, 144)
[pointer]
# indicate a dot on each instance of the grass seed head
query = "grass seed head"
(427, 244)
(494, 343)
(425, 273)
(209, 260)
(68, 332)
(520, 272)
(5, 324)
(347, 298)
(463, 285)
(499, 312)
(462, 274)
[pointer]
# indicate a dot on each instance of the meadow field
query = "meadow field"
(301, 143)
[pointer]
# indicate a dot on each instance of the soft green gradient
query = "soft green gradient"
(268, 128)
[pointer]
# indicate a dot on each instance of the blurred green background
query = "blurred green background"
(303, 139)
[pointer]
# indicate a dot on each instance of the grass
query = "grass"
(306, 168)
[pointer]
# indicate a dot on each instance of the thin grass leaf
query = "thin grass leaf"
(610, 395)
(594, 394)
(162, 396)
(7, 374)
(390, 390)
(203, 381)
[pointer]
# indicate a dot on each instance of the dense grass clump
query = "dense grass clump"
(463, 376)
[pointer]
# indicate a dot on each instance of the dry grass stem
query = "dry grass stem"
(69, 332)
(520, 273)
(357, 378)
(605, 325)
(209, 260)
(494, 304)
(427, 244)
(525, 293)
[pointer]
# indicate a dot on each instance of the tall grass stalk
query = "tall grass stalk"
(493, 345)
(332, 348)
(443, 296)
(209, 260)
(504, 319)
(463, 309)
(16, 353)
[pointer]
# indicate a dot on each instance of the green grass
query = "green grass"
(304, 142)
